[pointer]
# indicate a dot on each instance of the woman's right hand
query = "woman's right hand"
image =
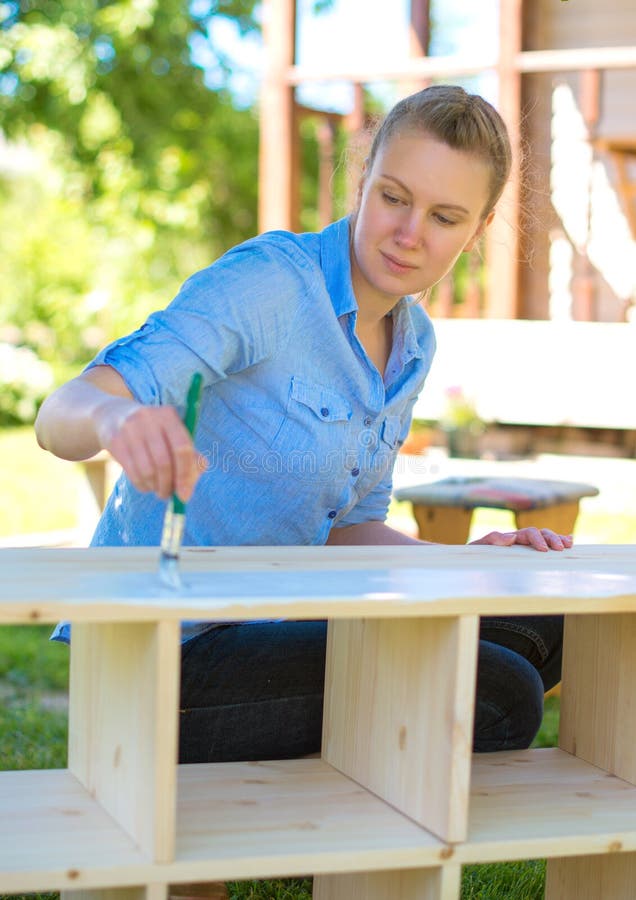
(151, 444)
(97, 411)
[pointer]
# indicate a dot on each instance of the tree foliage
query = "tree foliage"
(132, 173)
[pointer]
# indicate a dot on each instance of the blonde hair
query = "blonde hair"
(461, 120)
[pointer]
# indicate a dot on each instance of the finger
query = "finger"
(556, 541)
(163, 478)
(498, 539)
(135, 461)
(532, 537)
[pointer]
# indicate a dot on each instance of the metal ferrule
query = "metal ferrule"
(172, 534)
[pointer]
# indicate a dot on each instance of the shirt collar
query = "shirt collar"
(335, 262)
(336, 266)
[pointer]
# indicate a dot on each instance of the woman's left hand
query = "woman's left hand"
(537, 538)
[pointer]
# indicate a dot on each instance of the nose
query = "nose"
(409, 232)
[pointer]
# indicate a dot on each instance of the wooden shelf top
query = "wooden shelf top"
(122, 584)
(243, 820)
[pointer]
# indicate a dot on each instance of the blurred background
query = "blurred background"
(141, 139)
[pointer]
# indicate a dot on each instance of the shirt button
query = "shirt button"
(355, 472)
(324, 412)
(367, 420)
(332, 514)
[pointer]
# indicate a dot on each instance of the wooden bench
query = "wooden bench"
(397, 804)
(443, 509)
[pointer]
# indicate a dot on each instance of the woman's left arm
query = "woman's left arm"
(381, 534)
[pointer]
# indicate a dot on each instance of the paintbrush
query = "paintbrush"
(174, 519)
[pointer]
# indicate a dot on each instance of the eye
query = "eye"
(391, 199)
(443, 220)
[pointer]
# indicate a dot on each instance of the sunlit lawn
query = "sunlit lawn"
(38, 493)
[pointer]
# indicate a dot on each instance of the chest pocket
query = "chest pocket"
(312, 440)
(326, 405)
(390, 431)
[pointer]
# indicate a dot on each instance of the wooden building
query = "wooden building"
(566, 73)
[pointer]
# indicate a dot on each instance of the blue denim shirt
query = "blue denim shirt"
(299, 428)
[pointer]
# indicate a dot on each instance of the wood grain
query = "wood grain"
(399, 713)
(123, 726)
(421, 884)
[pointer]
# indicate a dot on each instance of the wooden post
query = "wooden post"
(325, 136)
(502, 293)
(278, 164)
(419, 39)
(597, 725)
(357, 143)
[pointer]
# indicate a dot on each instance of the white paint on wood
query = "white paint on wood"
(106, 584)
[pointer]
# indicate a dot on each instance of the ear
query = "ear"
(479, 232)
(362, 179)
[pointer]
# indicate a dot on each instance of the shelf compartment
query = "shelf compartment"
(546, 803)
(296, 817)
(55, 836)
(292, 817)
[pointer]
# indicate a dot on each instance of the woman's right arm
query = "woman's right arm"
(96, 411)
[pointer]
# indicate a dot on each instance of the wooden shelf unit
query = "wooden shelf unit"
(397, 803)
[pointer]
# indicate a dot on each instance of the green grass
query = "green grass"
(38, 492)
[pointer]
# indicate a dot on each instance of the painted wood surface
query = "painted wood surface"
(399, 713)
(106, 584)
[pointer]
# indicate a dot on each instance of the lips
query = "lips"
(396, 265)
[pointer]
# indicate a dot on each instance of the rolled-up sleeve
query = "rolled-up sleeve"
(232, 315)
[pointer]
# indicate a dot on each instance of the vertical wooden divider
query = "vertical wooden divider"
(598, 724)
(123, 728)
(407, 884)
(399, 704)
(147, 892)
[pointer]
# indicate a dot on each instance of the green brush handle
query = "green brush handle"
(190, 422)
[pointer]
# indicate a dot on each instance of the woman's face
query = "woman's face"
(420, 206)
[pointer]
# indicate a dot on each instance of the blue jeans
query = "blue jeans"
(256, 691)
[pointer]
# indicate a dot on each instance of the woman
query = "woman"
(312, 351)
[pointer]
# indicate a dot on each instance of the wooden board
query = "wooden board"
(399, 713)
(124, 690)
(592, 878)
(537, 803)
(121, 584)
(421, 884)
(250, 820)
(597, 699)
(54, 836)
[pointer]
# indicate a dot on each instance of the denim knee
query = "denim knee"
(539, 639)
(509, 702)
